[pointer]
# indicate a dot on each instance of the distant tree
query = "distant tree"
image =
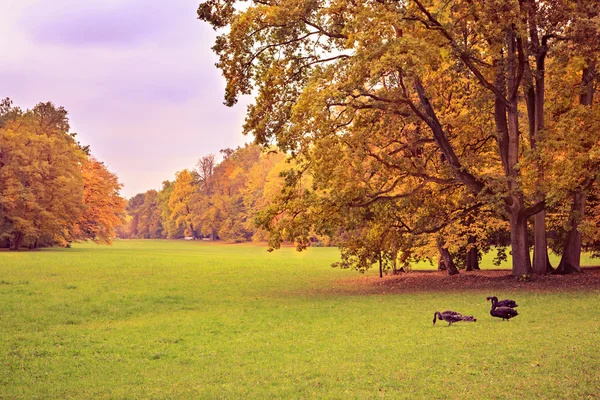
(206, 168)
(104, 208)
(41, 186)
(219, 208)
(263, 185)
(149, 220)
(52, 191)
(184, 187)
(133, 208)
(8, 111)
(170, 229)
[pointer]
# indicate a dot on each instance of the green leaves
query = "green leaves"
(417, 106)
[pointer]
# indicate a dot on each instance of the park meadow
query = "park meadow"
(192, 319)
(425, 155)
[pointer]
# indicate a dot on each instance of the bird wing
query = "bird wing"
(450, 312)
(507, 303)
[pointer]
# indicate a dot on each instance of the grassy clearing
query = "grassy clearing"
(159, 319)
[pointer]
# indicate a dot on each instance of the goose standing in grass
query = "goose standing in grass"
(503, 303)
(505, 313)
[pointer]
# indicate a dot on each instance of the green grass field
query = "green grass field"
(191, 320)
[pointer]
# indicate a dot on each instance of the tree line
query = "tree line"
(52, 190)
(215, 200)
(417, 129)
(427, 127)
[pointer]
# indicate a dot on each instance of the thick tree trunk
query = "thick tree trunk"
(380, 265)
(571, 256)
(473, 259)
(441, 265)
(515, 62)
(541, 262)
(521, 262)
(17, 241)
(446, 259)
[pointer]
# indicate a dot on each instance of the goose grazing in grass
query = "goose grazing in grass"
(505, 313)
(503, 303)
(448, 316)
(465, 318)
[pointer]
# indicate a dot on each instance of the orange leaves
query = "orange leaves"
(50, 193)
(40, 193)
(103, 206)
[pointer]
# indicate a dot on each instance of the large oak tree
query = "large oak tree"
(318, 67)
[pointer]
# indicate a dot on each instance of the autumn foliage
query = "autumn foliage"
(216, 200)
(426, 126)
(52, 191)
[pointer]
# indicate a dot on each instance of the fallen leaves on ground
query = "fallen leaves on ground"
(439, 281)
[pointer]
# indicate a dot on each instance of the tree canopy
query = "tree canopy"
(52, 191)
(217, 200)
(442, 114)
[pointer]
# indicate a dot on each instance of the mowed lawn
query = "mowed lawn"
(195, 320)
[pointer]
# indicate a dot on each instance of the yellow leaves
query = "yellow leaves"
(179, 201)
(368, 135)
(41, 181)
(570, 150)
(594, 153)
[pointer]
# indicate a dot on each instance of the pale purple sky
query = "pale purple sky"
(137, 77)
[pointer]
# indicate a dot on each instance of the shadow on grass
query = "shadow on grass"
(437, 281)
(48, 250)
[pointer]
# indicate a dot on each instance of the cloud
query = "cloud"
(137, 77)
(83, 23)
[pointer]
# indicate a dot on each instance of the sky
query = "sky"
(137, 77)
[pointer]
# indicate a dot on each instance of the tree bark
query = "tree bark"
(472, 257)
(441, 265)
(509, 73)
(17, 241)
(571, 256)
(541, 261)
(521, 262)
(446, 258)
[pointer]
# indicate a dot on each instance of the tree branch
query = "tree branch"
(531, 211)
(462, 54)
